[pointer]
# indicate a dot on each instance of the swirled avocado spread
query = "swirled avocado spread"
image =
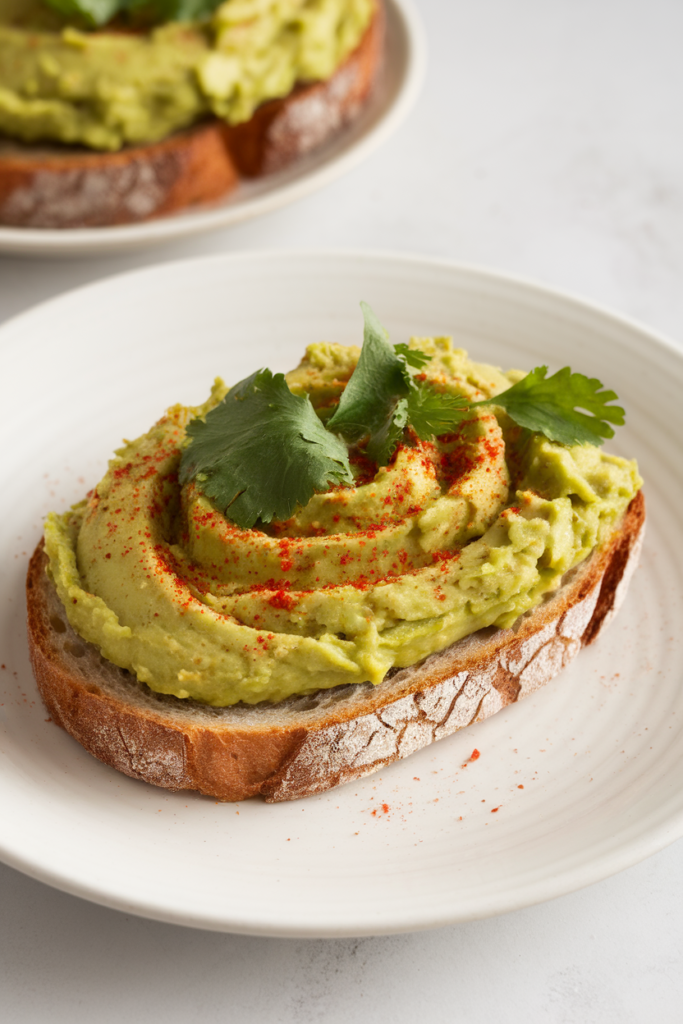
(107, 89)
(464, 530)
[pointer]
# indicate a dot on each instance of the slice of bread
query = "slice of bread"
(308, 744)
(50, 186)
(47, 187)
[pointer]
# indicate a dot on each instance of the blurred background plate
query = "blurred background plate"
(586, 775)
(400, 81)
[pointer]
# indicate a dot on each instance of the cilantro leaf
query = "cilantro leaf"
(550, 406)
(93, 12)
(383, 442)
(172, 10)
(262, 451)
(382, 397)
(413, 356)
(369, 401)
(99, 12)
(431, 413)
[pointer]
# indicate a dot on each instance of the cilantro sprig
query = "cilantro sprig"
(382, 396)
(263, 451)
(373, 403)
(95, 13)
(551, 406)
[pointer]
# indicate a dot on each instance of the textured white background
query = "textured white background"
(547, 143)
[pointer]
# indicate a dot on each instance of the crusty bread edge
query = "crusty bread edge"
(79, 189)
(464, 684)
(283, 130)
(59, 187)
(474, 678)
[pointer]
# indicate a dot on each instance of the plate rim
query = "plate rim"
(52, 242)
(370, 255)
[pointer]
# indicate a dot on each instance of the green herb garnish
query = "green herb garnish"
(382, 397)
(262, 451)
(372, 404)
(548, 405)
(92, 12)
(431, 413)
(96, 13)
(412, 356)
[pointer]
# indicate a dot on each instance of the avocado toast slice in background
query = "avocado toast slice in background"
(48, 184)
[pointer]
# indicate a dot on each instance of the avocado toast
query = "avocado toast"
(308, 577)
(138, 117)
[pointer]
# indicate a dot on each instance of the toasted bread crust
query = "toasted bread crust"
(45, 186)
(308, 745)
(51, 188)
(283, 130)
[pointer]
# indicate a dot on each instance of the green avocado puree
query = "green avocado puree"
(469, 531)
(108, 89)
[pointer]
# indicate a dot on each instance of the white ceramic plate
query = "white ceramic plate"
(399, 85)
(587, 775)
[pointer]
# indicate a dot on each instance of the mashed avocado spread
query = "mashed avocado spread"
(107, 89)
(468, 530)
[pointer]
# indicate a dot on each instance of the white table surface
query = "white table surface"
(547, 143)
